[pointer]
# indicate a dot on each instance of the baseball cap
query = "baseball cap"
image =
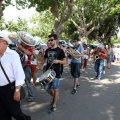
(5, 37)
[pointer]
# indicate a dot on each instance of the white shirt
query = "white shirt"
(13, 68)
(34, 60)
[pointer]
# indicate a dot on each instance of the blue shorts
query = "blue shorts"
(53, 85)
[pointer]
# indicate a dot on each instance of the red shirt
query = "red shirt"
(104, 51)
(29, 56)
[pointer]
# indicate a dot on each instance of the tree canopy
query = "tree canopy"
(87, 18)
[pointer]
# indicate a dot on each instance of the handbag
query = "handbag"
(22, 90)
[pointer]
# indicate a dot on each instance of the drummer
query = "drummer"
(54, 56)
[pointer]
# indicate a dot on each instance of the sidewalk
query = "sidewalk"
(94, 100)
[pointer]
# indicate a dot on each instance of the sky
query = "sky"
(11, 13)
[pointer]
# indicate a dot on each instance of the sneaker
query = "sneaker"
(52, 109)
(99, 79)
(78, 86)
(103, 71)
(96, 78)
(83, 70)
(30, 99)
(52, 102)
(74, 91)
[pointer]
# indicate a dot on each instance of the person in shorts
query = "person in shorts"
(34, 65)
(85, 57)
(109, 57)
(69, 63)
(75, 65)
(54, 57)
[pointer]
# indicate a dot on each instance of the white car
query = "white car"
(66, 44)
(40, 44)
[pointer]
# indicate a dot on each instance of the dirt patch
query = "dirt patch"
(40, 61)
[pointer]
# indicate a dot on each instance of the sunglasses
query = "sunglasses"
(51, 40)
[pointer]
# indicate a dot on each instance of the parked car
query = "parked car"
(12, 46)
(92, 46)
(65, 44)
(41, 45)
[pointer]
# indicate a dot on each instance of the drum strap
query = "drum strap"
(50, 66)
(55, 59)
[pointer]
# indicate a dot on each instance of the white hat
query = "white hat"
(4, 37)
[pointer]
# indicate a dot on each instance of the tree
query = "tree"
(1, 13)
(12, 26)
(42, 23)
(87, 16)
(2, 24)
(111, 22)
(61, 10)
(91, 16)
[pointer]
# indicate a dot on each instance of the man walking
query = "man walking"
(10, 98)
(54, 57)
(76, 64)
(100, 54)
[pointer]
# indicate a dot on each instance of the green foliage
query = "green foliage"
(104, 12)
(40, 5)
(21, 24)
(43, 23)
(2, 24)
(61, 10)
(40, 24)
(115, 40)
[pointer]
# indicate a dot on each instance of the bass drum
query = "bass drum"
(23, 57)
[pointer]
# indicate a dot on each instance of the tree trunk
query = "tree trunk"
(1, 12)
(61, 18)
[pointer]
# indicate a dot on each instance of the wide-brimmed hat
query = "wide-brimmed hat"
(5, 37)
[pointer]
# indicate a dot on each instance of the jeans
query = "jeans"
(27, 70)
(99, 67)
(53, 85)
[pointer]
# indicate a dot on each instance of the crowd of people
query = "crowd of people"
(55, 57)
(13, 73)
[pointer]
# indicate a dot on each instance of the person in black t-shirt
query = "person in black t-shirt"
(55, 57)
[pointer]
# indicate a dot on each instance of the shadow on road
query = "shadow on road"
(95, 100)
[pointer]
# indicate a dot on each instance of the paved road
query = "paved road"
(93, 101)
